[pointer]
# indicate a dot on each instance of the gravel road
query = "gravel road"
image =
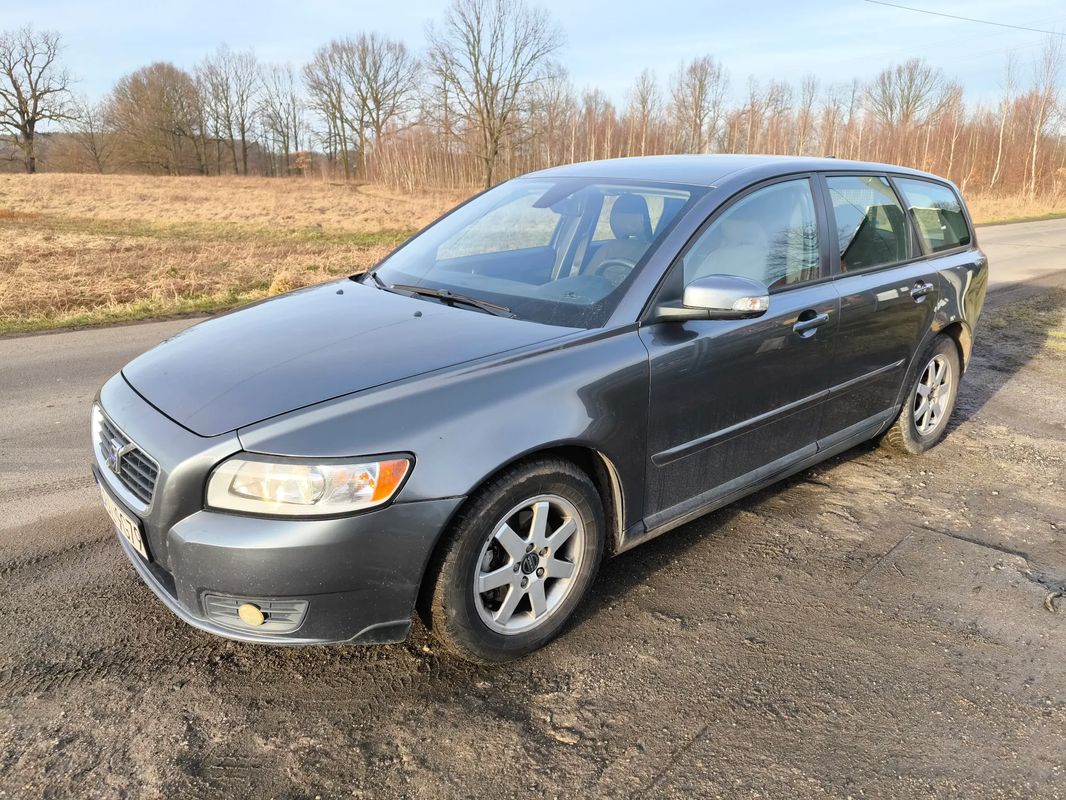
(873, 627)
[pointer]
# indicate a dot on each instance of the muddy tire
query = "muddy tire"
(516, 563)
(930, 400)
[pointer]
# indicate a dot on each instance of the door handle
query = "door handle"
(920, 290)
(808, 322)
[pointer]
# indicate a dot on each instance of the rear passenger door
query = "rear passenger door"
(888, 294)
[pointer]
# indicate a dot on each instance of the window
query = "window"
(771, 236)
(871, 226)
(514, 225)
(528, 245)
(937, 214)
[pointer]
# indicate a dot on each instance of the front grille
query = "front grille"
(134, 468)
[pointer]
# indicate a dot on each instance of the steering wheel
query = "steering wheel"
(615, 269)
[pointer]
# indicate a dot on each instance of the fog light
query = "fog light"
(267, 616)
(251, 614)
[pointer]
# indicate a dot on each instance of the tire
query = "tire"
(501, 624)
(918, 426)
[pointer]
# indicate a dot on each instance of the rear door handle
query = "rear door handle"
(920, 290)
(808, 322)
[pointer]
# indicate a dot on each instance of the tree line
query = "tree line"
(485, 97)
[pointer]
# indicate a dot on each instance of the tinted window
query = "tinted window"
(937, 214)
(771, 236)
(871, 227)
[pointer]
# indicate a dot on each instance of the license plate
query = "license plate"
(127, 526)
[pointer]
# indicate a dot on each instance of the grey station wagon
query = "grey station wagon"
(563, 367)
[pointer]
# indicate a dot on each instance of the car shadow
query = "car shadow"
(620, 575)
(1013, 329)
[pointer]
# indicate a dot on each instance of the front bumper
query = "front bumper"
(359, 575)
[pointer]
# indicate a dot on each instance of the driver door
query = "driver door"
(733, 401)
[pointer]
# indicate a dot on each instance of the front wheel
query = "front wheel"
(518, 560)
(930, 401)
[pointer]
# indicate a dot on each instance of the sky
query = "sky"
(608, 42)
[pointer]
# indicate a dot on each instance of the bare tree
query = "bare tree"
(34, 88)
(324, 76)
(551, 106)
(1047, 73)
(644, 103)
(88, 128)
(153, 113)
(244, 79)
(697, 93)
(908, 94)
(281, 111)
(489, 52)
(231, 80)
(217, 99)
(388, 76)
(1004, 115)
(805, 114)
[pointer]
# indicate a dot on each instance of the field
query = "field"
(84, 249)
(89, 249)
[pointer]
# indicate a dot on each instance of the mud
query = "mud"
(874, 627)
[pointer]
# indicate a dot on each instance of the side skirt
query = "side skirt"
(674, 517)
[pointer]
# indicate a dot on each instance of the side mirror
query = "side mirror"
(718, 297)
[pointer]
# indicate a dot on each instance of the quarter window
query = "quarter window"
(871, 227)
(937, 214)
(771, 236)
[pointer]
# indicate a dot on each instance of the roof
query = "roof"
(707, 170)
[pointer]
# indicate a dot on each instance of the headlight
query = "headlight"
(303, 488)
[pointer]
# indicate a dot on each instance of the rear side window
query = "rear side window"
(937, 214)
(871, 226)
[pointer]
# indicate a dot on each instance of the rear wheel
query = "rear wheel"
(930, 401)
(518, 561)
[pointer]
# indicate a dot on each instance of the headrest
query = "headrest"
(630, 218)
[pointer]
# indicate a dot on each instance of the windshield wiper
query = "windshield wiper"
(446, 296)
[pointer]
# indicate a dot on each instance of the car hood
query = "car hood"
(310, 346)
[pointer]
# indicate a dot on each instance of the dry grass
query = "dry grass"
(992, 210)
(81, 249)
(86, 249)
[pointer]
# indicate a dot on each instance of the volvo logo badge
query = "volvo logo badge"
(114, 450)
(530, 563)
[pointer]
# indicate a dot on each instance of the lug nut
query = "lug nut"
(544, 551)
(525, 582)
(540, 572)
(529, 548)
(516, 567)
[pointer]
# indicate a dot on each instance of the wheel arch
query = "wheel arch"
(961, 334)
(598, 466)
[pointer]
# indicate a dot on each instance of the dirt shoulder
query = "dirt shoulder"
(873, 627)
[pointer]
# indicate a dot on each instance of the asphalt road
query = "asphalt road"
(874, 626)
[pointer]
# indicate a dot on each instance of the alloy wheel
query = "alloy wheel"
(931, 398)
(529, 565)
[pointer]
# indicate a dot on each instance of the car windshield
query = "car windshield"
(556, 251)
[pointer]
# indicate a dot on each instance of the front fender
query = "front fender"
(462, 425)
